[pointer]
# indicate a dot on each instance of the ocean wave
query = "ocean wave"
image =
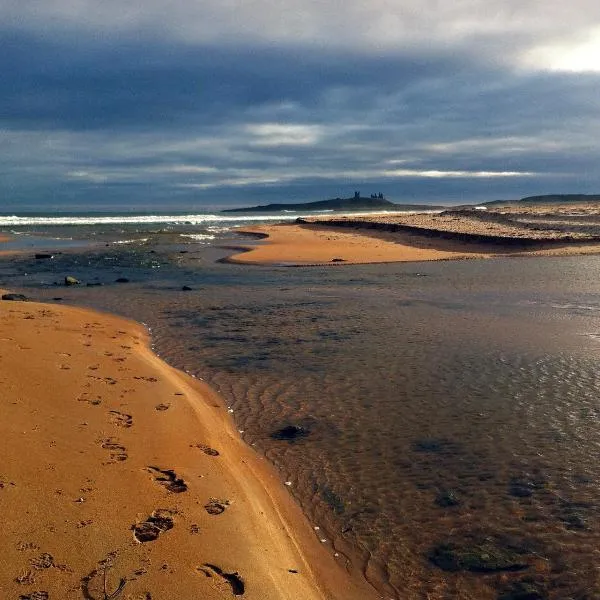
(131, 241)
(198, 236)
(189, 219)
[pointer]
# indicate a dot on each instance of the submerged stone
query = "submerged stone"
(486, 557)
(290, 433)
(69, 280)
(446, 499)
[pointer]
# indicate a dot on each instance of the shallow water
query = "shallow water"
(451, 409)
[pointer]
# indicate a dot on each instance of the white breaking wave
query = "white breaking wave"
(131, 241)
(198, 236)
(192, 219)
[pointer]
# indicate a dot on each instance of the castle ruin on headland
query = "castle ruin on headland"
(378, 196)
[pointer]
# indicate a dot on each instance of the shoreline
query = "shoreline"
(101, 436)
(376, 240)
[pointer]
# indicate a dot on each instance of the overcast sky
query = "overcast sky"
(228, 101)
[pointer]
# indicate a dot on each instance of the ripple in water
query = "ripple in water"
(449, 425)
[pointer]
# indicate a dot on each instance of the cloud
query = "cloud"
(430, 100)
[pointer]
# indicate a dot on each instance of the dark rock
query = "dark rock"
(431, 445)
(122, 280)
(15, 297)
(446, 499)
(94, 284)
(338, 260)
(43, 255)
(183, 251)
(290, 433)
(186, 288)
(69, 280)
(521, 488)
(485, 557)
(57, 299)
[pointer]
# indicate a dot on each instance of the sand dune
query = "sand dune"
(121, 475)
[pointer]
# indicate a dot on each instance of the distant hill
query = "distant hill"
(560, 198)
(337, 204)
(548, 199)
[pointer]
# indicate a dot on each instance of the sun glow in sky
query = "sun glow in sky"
(232, 102)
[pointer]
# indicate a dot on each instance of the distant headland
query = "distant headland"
(354, 203)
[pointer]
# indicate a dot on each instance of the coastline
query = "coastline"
(104, 442)
(414, 238)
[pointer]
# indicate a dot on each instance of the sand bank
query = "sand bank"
(119, 471)
(381, 239)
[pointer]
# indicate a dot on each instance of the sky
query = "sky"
(208, 103)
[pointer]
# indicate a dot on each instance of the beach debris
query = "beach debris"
(95, 585)
(149, 530)
(233, 579)
(70, 280)
(290, 433)
(215, 506)
(15, 297)
(169, 479)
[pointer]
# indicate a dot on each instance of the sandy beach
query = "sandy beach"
(125, 478)
(454, 235)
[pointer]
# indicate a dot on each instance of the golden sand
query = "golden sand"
(123, 475)
(318, 243)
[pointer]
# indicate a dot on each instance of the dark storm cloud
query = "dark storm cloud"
(116, 116)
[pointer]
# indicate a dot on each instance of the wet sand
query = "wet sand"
(122, 473)
(455, 234)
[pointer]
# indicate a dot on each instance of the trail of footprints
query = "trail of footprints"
(161, 520)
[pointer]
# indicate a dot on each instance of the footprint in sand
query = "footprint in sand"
(233, 581)
(118, 453)
(215, 506)
(120, 419)
(149, 530)
(161, 407)
(43, 561)
(206, 449)
(85, 397)
(25, 578)
(169, 479)
(35, 596)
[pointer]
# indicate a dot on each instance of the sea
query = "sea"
(439, 422)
